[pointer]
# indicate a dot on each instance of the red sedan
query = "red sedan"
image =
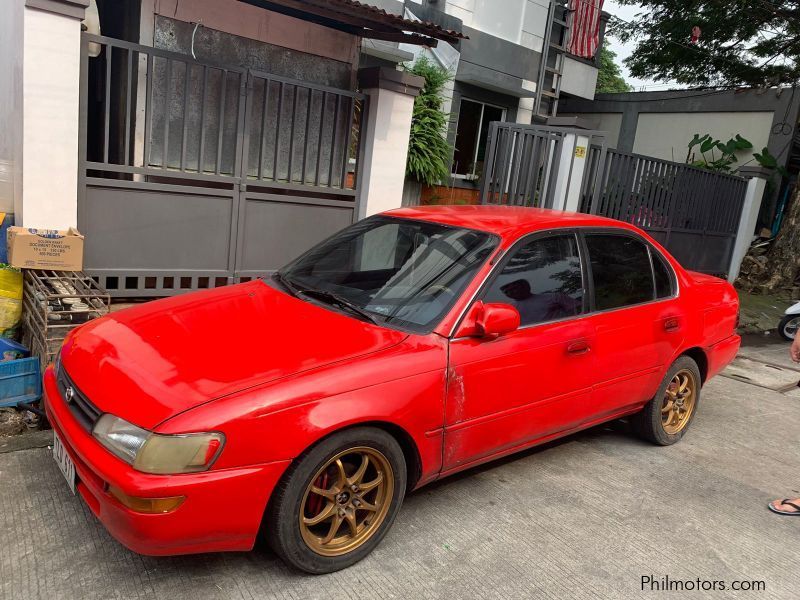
(407, 347)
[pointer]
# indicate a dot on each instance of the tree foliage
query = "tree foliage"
(428, 150)
(609, 76)
(743, 42)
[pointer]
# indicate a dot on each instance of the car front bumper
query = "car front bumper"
(222, 509)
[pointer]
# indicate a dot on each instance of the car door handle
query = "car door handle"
(672, 324)
(578, 347)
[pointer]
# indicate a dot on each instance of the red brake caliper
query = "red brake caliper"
(315, 503)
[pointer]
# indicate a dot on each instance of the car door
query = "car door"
(636, 319)
(506, 392)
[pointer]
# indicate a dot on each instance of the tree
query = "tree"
(609, 76)
(428, 150)
(746, 42)
(742, 43)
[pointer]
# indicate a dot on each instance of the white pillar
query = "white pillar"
(571, 164)
(50, 115)
(382, 167)
(757, 181)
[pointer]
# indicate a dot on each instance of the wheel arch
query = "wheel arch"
(401, 435)
(698, 355)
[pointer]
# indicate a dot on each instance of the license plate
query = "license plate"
(63, 461)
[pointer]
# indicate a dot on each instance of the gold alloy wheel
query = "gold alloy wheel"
(680, 399)
(346, 501)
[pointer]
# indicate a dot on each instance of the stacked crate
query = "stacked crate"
(55, 302)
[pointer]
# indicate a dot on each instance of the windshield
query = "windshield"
(402, 272)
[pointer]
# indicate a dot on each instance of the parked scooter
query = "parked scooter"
(790, 322)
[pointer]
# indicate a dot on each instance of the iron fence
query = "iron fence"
(694, 213)
(194, 174)
(523, 163)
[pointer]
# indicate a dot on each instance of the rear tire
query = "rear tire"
(665, 419)
(788, 327)
(352, 509)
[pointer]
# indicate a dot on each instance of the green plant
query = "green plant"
(707, 145)
(428, 151)
(767, 160)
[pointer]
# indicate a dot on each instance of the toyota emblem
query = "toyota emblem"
(69, 394)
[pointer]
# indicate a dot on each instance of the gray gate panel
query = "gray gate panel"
(169, 144)
(157, 229)
(275, 229)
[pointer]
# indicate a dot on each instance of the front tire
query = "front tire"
(788, 327)
(665, 419)
(337, 501)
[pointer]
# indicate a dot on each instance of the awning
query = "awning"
(362, 20)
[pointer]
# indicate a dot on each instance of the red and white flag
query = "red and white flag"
(584, 34)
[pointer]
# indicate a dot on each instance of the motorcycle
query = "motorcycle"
(790, 322)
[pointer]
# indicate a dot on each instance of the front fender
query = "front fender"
(403, 386)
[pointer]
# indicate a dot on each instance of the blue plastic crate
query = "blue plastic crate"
(20, 381)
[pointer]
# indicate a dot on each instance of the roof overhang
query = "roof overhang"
(363, 20)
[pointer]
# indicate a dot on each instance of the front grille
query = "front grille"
(84, 411)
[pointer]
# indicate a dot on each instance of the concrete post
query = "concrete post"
(391, 96)
(571, 162)
(757, 181)
(50, 115)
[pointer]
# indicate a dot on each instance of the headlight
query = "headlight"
(156, 453)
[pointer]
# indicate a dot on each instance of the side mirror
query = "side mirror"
(488, 320)
(497, 319)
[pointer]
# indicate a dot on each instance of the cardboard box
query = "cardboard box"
(45, 249)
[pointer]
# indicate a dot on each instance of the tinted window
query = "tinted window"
(542, 280)
(401, 272)
(663, 276)
(620, 271)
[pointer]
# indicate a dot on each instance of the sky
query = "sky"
(627, 13)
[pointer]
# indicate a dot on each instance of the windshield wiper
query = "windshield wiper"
(284, 281)
(336, 299)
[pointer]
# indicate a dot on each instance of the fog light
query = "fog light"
(146, 505)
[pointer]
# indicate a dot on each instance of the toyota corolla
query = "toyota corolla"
(409, 346)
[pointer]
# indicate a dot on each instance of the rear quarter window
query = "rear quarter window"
(665, 281)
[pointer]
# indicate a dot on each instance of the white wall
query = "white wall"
(50, 84)
(666, 135)
(11, 45)
(520, 21)
(534, 24)
(383, 171)
(579, 78)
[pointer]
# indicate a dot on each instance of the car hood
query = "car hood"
(151, 362)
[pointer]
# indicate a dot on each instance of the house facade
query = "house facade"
(196, 143)
(514, 65)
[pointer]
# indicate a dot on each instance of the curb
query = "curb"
(26, 441)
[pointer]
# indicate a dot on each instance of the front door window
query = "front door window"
(542, 280)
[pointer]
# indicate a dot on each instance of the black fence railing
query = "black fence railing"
(161, 113)
(694, 213)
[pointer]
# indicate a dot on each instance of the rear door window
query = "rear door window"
(621, 271)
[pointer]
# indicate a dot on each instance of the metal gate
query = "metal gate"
(193, 175)
(694, 213)
(523, 163)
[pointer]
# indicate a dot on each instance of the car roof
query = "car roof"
(505, 221)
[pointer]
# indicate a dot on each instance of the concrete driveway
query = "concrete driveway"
(587, 517)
